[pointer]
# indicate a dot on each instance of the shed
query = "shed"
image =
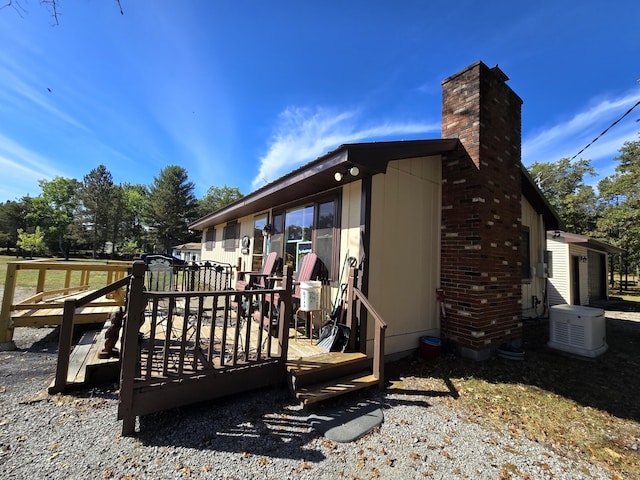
(578, 269)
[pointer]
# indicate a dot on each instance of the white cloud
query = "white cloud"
(305, 134)
(566, 139)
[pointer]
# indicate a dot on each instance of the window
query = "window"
(209, 239)
(310, 228)
(231, 235)
(525, 254)
(298, 230)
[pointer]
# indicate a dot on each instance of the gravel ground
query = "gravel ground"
(260, 435)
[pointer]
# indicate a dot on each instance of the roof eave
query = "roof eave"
(318, 175)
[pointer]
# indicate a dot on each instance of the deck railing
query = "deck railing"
(204, 276)
(190, 346)
(361, 311)
(66, 330)
(77, 277)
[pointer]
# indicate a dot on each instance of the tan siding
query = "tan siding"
(350, 222)
(537, 238)
(219, 254)
(405, 250)
(559, 281)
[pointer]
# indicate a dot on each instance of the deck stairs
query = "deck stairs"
(327, 375)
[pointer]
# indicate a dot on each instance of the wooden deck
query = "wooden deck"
(86, 367)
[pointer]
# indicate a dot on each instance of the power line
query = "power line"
(606, 130)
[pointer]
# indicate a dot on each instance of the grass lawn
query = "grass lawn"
(27, 279)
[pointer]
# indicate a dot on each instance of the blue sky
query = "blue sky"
(241, 92)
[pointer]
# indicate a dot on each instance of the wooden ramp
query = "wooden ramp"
(85, 365)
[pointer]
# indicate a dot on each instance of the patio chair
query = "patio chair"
(255, 280)
(261, 279)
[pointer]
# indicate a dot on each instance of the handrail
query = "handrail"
(357, 319)
(73, 271)
(66, 330)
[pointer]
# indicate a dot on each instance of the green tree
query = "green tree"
(135, 201)
(13, 217)
(31, 242)
(216, 198)
(563, 185)
(54, 210)
(172, 206)
(619, 204)
(99, 206)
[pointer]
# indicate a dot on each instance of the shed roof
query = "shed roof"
(574, 238)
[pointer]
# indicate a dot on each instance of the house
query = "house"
(189, 252)
(578, 270)
(457, 213)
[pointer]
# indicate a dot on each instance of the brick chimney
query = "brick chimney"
(481, 211)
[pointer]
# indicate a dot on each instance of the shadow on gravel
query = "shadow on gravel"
(261, 423)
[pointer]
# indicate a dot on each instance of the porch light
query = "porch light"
(266, 230)
(353, 171)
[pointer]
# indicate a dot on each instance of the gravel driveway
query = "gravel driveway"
(259, 435)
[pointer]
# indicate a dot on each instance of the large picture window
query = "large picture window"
(312, 227)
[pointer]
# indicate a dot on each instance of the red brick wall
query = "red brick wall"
(481, 210)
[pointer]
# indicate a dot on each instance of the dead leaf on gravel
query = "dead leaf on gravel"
(304, 466)
(504, 475)
(107, 473)
(414, 456)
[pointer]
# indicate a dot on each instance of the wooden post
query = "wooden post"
(286, 311)
(42, 275)
(129, 358)
(378, 356)
(64, 347)
(6, 331)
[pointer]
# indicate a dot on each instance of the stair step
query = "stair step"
(333, 388)
(323, 361)
(324, 367)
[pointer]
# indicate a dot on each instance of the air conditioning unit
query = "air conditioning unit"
(578, 330)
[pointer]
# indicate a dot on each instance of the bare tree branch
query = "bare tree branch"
(16, 6)
(52, 5)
